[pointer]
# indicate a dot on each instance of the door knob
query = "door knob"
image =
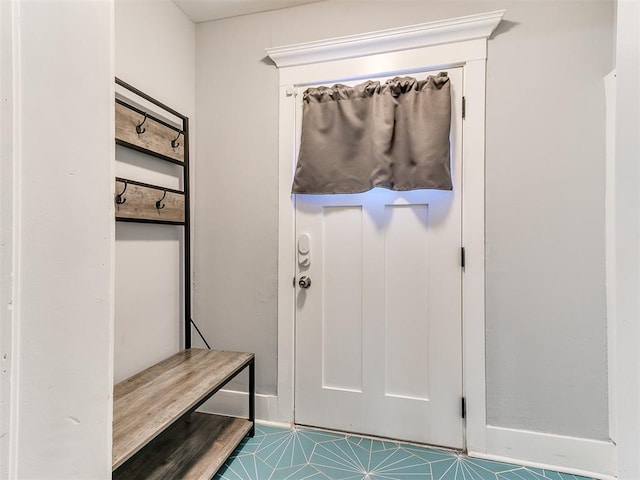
(304, 282)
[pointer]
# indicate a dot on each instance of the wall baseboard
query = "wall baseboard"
(236, 404)
(577, 456)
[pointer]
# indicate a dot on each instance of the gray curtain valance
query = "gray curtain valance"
(393, 135)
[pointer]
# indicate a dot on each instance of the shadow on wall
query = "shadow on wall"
(503, 27)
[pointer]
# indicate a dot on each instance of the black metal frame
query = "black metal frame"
(149, 185)
(252, 396)
(185, 186)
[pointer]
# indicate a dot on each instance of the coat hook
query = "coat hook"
(139, 128)
(159, 204)
(174, 142)
(119, 199)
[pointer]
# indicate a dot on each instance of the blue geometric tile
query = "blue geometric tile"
(402, 465)
(430, 454)
(337, 460)
(445, 469)
(399, 464)
(304, 472)
(489, 465)
(268, 429)
(519, 474)
(551, 475)
(361, 451)
(320, 437)
(309, 454)
(273, 447)
(245, 467)
(546, 474)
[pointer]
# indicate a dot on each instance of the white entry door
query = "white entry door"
(378, 331)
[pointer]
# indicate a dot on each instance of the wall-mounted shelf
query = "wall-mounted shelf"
(142, 202)
(148, 134)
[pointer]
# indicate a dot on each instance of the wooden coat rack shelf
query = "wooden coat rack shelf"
(144, 132)
(141, 202)
(157, 433)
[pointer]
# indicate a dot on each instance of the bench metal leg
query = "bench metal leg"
(252, 396)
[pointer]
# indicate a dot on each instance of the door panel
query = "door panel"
(378, 332)
(342, 287)
(406, 259)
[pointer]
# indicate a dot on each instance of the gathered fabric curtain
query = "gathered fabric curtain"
(393, 135)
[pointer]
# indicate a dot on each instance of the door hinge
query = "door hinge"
(464, 408)
(462, 257)
(464, 107)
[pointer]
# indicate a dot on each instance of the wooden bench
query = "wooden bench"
(156, 432)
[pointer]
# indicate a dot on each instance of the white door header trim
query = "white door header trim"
(453, 30)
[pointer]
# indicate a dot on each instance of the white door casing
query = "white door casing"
(443, 44)
(378, 332)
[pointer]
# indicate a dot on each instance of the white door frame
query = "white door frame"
(448, 43)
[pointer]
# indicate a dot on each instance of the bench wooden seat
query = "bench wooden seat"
(162, 399)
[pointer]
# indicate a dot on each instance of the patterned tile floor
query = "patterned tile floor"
(306, 454)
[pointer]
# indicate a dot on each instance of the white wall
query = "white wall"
(59, 223)
(154, 52)
(546, 315)
(627, 238)
(546, 325)
(235, 256)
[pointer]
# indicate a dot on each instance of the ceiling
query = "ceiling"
(205, 10)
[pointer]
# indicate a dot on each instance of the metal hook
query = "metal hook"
(174, 142)
(119, 199)
(139, 128)
(159, 204)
